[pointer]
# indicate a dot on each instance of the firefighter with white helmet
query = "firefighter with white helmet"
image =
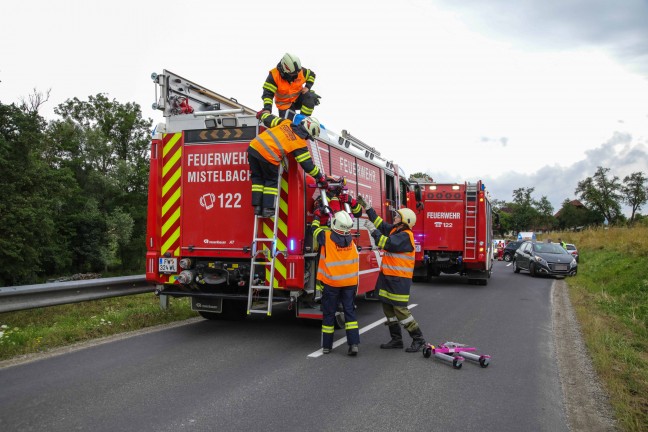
(289, 85)
(396, 273)
(338, 271)
(266, 152)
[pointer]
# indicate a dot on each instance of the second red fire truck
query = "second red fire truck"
(453, 231)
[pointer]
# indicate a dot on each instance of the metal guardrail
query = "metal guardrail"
(15, 298)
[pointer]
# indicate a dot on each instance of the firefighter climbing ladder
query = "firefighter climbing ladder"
(265, 258)
(470, 247)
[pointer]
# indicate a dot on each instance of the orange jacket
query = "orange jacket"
(275, 143)
(287, 92)
(338, 266)
(399, 264)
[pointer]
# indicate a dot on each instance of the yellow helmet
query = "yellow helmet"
(342, 223)
(407, 217)
(290, 64)
(312, 126)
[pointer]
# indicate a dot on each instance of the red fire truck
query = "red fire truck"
(453, 232)
(201, 237)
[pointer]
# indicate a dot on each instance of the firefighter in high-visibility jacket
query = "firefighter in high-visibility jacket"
(396, 271)
(267, 150)
(338, 271)
(336, 201)
(290, 86)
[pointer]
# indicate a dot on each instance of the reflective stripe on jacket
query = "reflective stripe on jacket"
(275, 143)
(287, 92)
(399, 264)
(338, 266)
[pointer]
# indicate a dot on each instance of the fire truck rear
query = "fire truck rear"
(201, 236)
(453, 233)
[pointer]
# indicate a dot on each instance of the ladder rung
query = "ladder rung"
(261, 262)
(266, 287)
(259, 311)
(264, 239)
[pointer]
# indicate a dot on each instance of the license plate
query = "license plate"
(561, 267)
(168, 265)
(206, 304)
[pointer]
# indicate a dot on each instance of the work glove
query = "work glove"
(344, 197)
(370, 226)
(259, 114)
(316, 98)
(362, 202)
(321, 181)
(318, 212)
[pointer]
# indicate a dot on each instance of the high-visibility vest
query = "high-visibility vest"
(338, 266)
(399, 264)
(275, 143)
(287, 92)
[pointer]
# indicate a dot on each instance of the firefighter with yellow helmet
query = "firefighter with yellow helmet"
(396, 271)
(289, 85)
(338, 271)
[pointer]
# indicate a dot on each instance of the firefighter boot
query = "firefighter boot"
(417, 341)
(268, 212)
(258, 210)
(353, 350)
(396, 341)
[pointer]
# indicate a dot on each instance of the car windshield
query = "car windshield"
(548, 248)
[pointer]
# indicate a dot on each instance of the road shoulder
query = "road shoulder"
(586, 403)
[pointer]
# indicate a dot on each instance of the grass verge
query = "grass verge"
(610, 298)
(38, 330)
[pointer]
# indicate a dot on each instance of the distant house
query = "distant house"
(575, 203)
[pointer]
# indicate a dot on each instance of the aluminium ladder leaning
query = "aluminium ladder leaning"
(267, 259)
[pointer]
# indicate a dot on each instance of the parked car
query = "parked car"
(572, 250)
(510, 249)
(544, 259)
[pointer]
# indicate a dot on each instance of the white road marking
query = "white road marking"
(343, 340)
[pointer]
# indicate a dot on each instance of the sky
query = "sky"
(531, 93)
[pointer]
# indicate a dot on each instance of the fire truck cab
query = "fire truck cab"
(453, 233)
(200, 224)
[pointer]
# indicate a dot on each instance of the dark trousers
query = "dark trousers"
(264, 176)
(330, 299)
(305, 104)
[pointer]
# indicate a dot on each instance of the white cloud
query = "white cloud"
(471, 89)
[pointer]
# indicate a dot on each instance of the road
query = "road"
(257, 374)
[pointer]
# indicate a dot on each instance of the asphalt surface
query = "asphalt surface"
(257, 374)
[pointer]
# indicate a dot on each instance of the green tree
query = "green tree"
(421, 175)
(602, 194)
(545, 213)
(106, 144)
(524, 215)
(34, 195)
(635, 192)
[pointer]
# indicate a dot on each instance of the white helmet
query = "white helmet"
(342, 223)
(290, 64)
(407, 217)
(312, 126)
